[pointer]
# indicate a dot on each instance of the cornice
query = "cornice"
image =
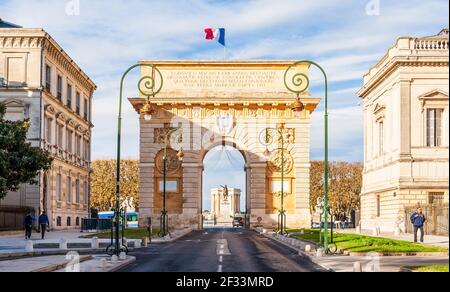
(398, 62)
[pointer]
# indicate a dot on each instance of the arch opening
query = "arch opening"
(224, 187)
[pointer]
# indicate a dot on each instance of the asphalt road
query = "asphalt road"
(221, 250)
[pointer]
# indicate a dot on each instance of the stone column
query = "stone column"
(257, 197)
(192, 204)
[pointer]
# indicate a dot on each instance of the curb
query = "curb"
(125, 264)
(398, 254)
(60, 266)
(20, 255)
(307, 255)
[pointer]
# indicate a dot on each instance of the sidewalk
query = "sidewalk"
(342, 263)
(59, 264)
(435, 240)
(12, 245)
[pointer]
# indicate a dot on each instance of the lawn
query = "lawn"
(129, 233)
(361, 243)
(431, 269)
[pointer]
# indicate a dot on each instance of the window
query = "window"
(58, 221)
(434, 127)
(85, 193)
(59, 88)
(69, 189)
(70, 141)
(69, 221)
(86, 110)
(381, 138)
(78, 102)
(436, 198)
(77, 191)
(77, 221)
(69, 96)
(58, 187)
(78, 146)
(48, 78)
(48, 130)
(86, 150)
(60, 135)
(378, 206)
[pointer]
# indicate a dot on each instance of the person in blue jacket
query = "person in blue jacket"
(418, 220)
(43, 223)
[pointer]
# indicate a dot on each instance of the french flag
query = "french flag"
(216, 35)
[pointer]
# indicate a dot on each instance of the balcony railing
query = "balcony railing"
(431, 44)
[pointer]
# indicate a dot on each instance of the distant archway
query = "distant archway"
(224, 185)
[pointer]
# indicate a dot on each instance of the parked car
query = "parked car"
(238, 222)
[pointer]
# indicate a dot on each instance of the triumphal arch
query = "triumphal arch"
(214, 103)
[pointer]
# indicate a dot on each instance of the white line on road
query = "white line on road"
(220, 269)
(221, 259)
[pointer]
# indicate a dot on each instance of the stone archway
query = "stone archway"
(232, 102)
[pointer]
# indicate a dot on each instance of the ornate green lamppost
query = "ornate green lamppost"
(147, 87)
(299, 83)
(283, 137)
(164, 221)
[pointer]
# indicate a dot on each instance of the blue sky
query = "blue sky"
(346, 36)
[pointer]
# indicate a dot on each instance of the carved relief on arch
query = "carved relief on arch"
(173, 164)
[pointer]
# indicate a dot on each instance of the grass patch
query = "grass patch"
(129, 233)
(431, 269)
(361, 243)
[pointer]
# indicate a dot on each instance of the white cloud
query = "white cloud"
(108, 36)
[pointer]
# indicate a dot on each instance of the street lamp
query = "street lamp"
(298, 85)
(148, 86)
(267, 139)
(164, 221)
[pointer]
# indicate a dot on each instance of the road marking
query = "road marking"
(221, 259)
(222, 247)
(220, 269)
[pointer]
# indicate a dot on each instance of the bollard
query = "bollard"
(103, 264)
(62, 244)
(114, 259)
(29, 246)
(319, 253)
(308, 248)
(357, 268)
(137, 244)
(95, 243)
(145, 242)
(123, 256)
(302, 232)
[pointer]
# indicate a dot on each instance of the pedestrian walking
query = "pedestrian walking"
(418, 219)
(43, 223)
(28, 224)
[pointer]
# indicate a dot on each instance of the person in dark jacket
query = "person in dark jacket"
(43, 223)
(418, 220)
(28, 224)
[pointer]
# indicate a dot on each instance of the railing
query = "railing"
(431, 44)
(437, 219)
(96, 224)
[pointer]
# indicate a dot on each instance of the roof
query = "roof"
(4, 24)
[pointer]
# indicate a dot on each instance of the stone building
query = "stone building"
(231, 103)
(225, 204)
(40, 82)
(406, 139)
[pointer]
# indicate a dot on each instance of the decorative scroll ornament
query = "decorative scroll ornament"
(296, 82)
(150, 86)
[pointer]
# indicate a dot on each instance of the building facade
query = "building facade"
(232, 103)
(225, 204)
(40, 82)
(406, 120)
